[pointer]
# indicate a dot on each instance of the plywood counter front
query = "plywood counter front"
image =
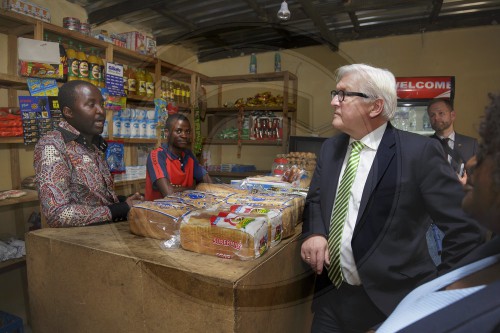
(105, 279)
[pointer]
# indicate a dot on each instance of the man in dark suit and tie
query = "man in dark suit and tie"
(458, 148)
(368, 207)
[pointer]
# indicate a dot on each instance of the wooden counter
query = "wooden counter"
(105, 279)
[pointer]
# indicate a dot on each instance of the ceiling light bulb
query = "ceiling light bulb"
(284, 13)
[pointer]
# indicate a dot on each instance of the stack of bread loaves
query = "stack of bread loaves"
(220, 220)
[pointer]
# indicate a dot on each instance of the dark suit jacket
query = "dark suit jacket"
(479, 312)
(465, 146)
(408, 182)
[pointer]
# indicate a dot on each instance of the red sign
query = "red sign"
(426, 87)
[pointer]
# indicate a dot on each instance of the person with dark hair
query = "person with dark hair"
(467, 298)
(367, 210)
(458, 148)
(75, 186)
(173, 167)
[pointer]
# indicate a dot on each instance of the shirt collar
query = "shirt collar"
(69, 133)
(171, 154)
(372, 140)
(451, 136)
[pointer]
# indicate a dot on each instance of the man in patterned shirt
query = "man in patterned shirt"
(74, 183)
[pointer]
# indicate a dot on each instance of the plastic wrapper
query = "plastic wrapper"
(274, 218)
(291, 206)
(115, 156)
(225, 234)
(158, 219)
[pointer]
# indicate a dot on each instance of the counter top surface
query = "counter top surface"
(116, 238)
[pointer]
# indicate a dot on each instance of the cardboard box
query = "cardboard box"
(136, 41)
(104, 279)
(27, 8)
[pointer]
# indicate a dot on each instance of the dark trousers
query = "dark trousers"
(347, 309)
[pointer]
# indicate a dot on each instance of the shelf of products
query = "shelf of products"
(263, 119)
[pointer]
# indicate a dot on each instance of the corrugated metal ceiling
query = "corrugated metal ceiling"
(217, 29)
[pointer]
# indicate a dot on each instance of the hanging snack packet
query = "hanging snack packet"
(115, 156)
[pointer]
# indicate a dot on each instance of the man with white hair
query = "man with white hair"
(369, 206)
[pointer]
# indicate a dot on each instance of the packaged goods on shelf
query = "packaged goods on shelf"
(135, 41)
(266, 128)
(151, 46)
(10, 122)
(39, 114)
(39, 58)
(27, 8)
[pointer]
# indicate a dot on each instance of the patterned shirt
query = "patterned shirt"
(74, 183)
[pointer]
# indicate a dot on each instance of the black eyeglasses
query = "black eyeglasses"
(342, 94)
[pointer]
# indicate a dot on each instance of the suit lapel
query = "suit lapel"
(332, 175)
(385, 153)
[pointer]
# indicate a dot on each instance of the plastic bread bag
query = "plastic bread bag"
(225, 234)
(158, 219)
(274, 218)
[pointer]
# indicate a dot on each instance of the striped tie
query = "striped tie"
(339, 214)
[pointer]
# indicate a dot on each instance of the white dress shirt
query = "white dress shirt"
(367, 156)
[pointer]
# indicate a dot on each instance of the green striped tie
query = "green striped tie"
(339, 214)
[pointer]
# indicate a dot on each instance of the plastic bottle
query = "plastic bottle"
(63, 59)
(83, 66)
(132, 81)
(150, 85)
(102, 71)
(412, 120)
(277, 62)
(426, 122)
(141, 82)
(188, 94)
(94, 68)
(125, 79)
(253, 63)
(73, 62)
(279, 167)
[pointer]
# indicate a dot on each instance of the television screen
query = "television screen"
(306, 144)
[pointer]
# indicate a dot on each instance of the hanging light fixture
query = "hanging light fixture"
(284, 13)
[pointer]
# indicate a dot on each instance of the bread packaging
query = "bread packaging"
(291, 207)
(225, 234)
(158, 219)
(274, 218)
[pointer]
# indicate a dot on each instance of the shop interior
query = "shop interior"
(259, 89)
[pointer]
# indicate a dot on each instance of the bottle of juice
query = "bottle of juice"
(102, 71)
(94, 68)
(141, 82)
(132, 81)
(73, 62)
(125, 79)
(63, 59)
(150, 85)
(83, 68)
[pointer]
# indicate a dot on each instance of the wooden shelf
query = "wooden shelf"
(243, 142)
(239, 174)
(31, 196)
(12, 139)
(129, 182)
(234, 110)
(11, 264)
(13, 82)
(265, 77)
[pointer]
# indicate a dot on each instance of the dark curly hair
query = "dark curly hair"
(489, 131)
